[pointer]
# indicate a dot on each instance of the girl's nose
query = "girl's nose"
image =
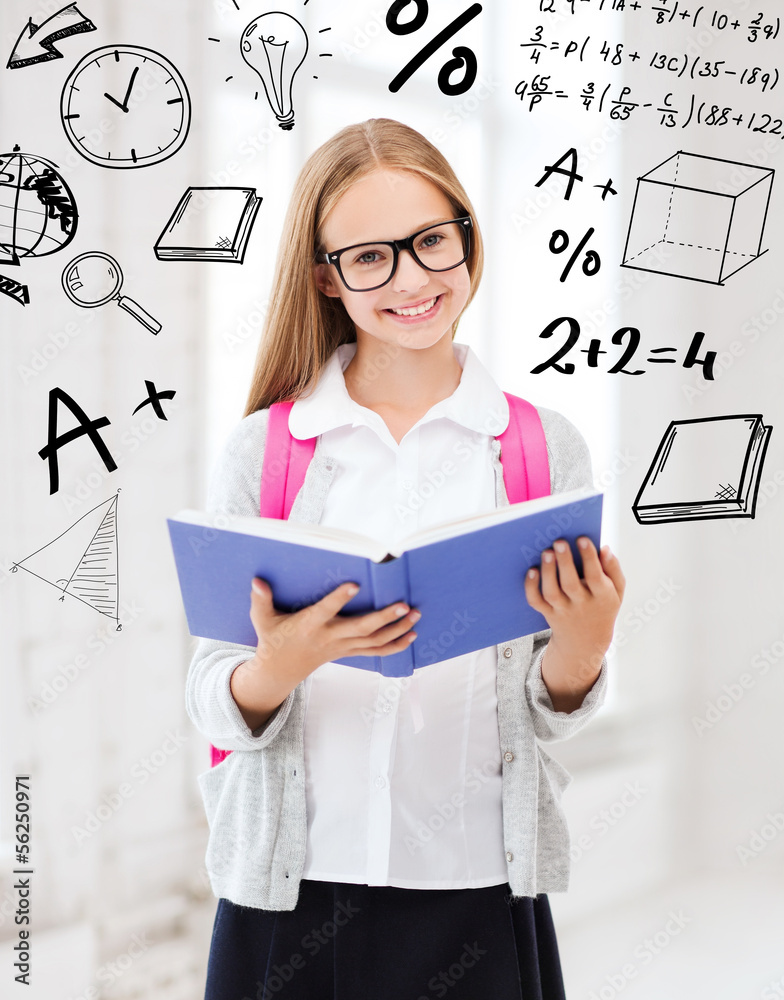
(409, 274)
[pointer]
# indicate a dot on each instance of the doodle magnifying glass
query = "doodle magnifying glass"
(95, 278)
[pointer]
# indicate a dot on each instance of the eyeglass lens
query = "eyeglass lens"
(437, 249)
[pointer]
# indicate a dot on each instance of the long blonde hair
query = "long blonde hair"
(303, 326)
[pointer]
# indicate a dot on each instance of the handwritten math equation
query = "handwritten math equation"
(671, 115)
(679, 64)
(628, 338)
(756, 28)
(670, 75)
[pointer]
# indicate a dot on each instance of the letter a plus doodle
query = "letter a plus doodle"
(154, 398)
(556, 168)
(55, 441)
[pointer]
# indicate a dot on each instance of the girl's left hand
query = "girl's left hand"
(580, 612)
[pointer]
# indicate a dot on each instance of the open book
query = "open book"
(466, 577)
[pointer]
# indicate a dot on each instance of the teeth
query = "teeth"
(415, 312)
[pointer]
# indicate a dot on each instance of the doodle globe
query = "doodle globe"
(38, 213)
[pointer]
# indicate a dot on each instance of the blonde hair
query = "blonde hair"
(303, 326)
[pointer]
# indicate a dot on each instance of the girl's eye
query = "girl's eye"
(430, 241)
(368, 257)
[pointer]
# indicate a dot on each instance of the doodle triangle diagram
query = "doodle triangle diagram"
(82, 561)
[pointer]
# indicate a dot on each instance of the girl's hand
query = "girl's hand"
(291, 646)
(581, 614)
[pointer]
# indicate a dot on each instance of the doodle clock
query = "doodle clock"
(125, 106)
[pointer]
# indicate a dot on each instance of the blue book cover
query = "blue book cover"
(467, 578)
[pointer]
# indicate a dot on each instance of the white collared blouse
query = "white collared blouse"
(403, 778)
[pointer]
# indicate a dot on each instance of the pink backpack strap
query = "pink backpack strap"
(283, 470)
(524, 453)
(286, 461)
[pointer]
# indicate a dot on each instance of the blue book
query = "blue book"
(466, 577)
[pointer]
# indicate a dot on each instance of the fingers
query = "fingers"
(333, 602)
(570, 582)
(381, 627)
(551, 590)
(557, 581)
(612, 568)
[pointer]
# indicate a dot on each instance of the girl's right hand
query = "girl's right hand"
(292, 646)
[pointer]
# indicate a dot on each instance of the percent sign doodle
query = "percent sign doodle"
(462, 57)
(559, 242)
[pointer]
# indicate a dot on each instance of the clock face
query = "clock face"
(125, 106)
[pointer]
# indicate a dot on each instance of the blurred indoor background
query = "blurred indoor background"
(677, 805)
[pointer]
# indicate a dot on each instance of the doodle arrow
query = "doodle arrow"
(35, 44)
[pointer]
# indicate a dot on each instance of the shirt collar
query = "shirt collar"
(477, 403)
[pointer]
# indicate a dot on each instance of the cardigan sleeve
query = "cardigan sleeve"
(570, 468)
(233, 489)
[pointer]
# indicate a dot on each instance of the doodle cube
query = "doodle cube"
(698, 217)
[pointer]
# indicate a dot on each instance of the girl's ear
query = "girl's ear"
(325, 280)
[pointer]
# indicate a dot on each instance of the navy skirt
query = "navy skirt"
(345, 941)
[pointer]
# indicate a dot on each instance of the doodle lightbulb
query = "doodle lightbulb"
(274, 45)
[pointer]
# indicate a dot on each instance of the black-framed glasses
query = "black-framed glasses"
(364, 267)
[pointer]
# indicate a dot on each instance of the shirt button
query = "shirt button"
(387, 707)
(508, 652)
(407, 484)
(508, 755)
(509, 856)
(380, 782)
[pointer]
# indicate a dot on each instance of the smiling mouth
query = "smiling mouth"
(415, 310)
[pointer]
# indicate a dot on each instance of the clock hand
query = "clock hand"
(120, 106)
(130, 88)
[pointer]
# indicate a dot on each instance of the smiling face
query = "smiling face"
(417, 307)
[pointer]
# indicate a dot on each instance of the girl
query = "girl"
(374, 838)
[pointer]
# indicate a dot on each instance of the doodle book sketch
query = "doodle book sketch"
(705, 468)
(210, 223)
(83, 561)
(14, 290)
(38, 213)
(125, 106)
(36, 42)
(698, 217)
(274, 46)
(94, 278)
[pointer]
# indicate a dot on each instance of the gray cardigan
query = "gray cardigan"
(255, 798)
